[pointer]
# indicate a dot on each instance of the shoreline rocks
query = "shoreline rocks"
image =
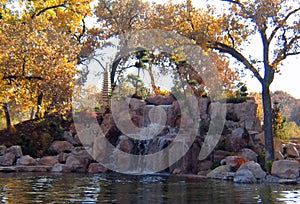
(235, 157)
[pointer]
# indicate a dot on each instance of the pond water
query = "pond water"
(119, 188)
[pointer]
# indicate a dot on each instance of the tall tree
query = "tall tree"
(40, 42)
(275, 23)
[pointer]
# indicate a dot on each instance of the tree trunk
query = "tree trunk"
(105, 91)
(154, 87)
(39, 104)
(7, 117)
(268, 131)
(113, 72)
(32, 114)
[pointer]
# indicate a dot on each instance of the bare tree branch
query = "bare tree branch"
(82, 31)
(237, 2)
(13, 78)
(231, 38)
(293, 53)
(238, 56)
(285, 50)
(233, 1)
(48, 8)
(281, 24)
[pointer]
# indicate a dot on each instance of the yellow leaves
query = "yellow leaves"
(38, 52)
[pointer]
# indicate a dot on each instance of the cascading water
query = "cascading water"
(154, 135)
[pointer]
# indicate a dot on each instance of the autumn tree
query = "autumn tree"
(275, 23)
(123, 18)
(40, 42)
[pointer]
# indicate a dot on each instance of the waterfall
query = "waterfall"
(153, 136)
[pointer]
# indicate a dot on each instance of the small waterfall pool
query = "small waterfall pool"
(120, 188)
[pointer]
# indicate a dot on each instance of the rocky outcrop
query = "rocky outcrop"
(248, 154)
(288, 169)
(49, 160)
(16, 150)
(235, 161)
(96, 168)
(26, 161)
(222, 172)
(61, 168)
(240, 146)
(7, 159)
(2, 149)
(244, 176)
(160, 100)
(255, 169)
(291, 150)
(79, 160)
(61, 146)
(245, 113)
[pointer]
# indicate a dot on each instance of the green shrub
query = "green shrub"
(47, 140)
(269, 165)
(27, 145)
(55, 131)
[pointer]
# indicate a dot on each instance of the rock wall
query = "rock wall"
(236, 156)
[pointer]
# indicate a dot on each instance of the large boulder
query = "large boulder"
(49, 160)
(136, 105)
(81, 152)
(291, 150)
(235, 161)
(244, 176)
(16, 150)
(125, 144)
(77, 164)
(278, 155)
(62, 157)
(245, 113)
(61, 168)
(110, 129)
(255, 168)
(248, 154)
(7, 159)
(160, 100)
(221, 172)
(2, 149)
(285, 169)
(61, 146)
(238, 139)
(96, 168)
(26, 161)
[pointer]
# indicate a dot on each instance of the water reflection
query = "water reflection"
(125, 189)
